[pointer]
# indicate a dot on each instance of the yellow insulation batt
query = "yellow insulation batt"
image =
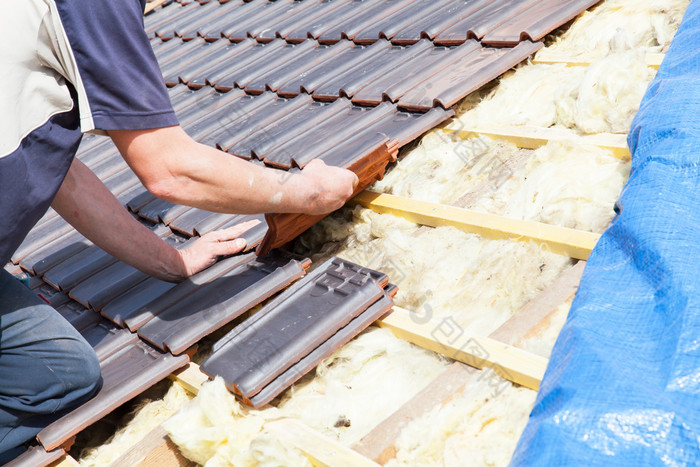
(619, 25)
(216, 430)
(570, 185)
(361, 384)
(600, 98)
(442, 167)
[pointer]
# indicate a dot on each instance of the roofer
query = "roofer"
(69, 67)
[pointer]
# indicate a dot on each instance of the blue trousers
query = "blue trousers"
(46, 367)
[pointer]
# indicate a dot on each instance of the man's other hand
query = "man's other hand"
(332, 186)
(205, 250)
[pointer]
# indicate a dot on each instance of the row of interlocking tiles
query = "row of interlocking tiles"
(278, 84)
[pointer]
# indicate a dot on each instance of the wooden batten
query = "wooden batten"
(321, 450)
(538, 310)
(529, 137)
(190, 377)
(511, 363)
(551, 57)
(574, 243)
(154, 450)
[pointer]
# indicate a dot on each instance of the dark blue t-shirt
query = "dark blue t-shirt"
(67, 67)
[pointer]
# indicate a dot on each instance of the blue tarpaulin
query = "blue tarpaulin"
(623, 383)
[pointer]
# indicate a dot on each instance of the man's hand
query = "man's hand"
(332, 186)
(205, 250)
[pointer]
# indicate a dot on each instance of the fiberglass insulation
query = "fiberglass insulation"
(619, 25)
(216, 430)
(441, 167)
(600, 98)
(478, 426)
(563, 184)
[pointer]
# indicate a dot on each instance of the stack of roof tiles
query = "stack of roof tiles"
(288, 337)
(277, 83)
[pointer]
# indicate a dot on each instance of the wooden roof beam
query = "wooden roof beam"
(574, 243)
(529, 137)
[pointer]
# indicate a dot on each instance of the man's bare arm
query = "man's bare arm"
(88, 205)
(175, 168)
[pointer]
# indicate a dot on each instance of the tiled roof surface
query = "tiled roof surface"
(279, 84)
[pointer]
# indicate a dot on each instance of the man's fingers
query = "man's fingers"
(229, 247)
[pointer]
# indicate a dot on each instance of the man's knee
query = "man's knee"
(81, 376)
(90, 378)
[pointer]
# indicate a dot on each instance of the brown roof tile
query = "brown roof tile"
(78, 316)
(128, 303)
(368, 165)
(100, 288)
(271, 11)
(466, 76)
(388, 26)
(151, 306)
(107, 339)
(363, 15)
(205, 24)
(331, 14)
(404, 78)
